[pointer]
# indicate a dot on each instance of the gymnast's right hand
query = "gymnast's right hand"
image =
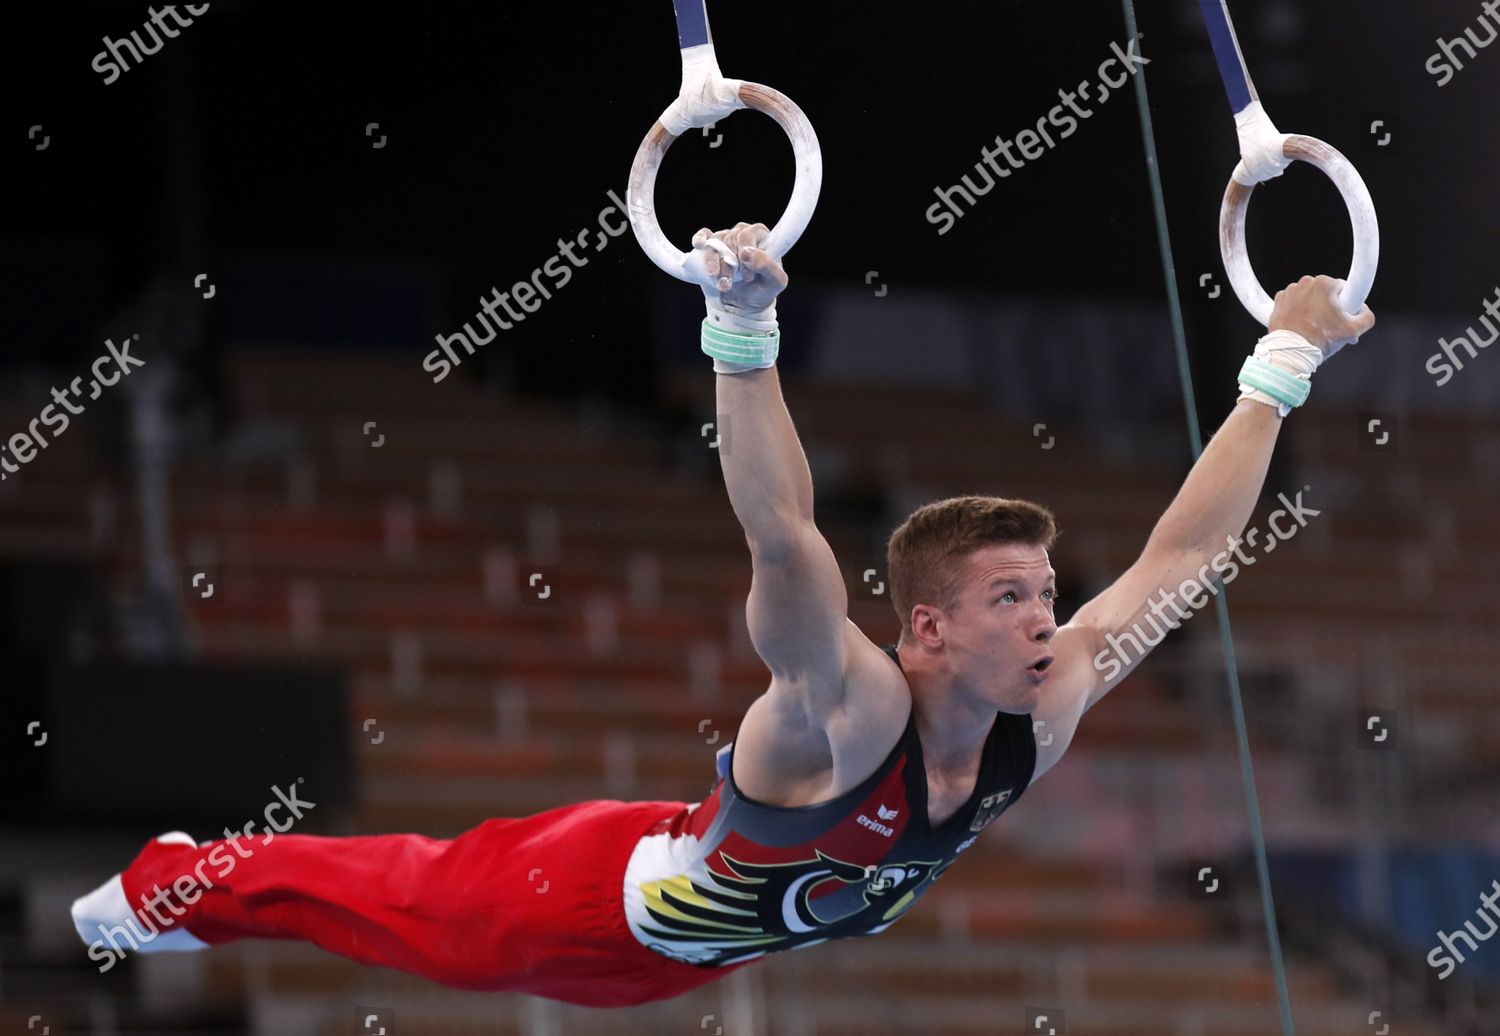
(756, 278)
(1310, 308)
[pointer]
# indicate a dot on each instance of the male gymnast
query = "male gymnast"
(854, 781)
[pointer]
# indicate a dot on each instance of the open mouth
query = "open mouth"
(1041, 665)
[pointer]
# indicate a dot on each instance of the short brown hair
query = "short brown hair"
(926, 555)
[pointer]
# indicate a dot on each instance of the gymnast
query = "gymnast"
(853, 783)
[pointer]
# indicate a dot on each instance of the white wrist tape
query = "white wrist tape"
(739, 321)
(1261, 144)
(1280, 371)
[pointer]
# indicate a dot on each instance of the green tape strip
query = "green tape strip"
(737, 348)
(1274, 382)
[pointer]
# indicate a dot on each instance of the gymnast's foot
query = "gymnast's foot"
(104, 916)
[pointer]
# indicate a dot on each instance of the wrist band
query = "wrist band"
(1263, 376)
(751, 351)
(1291, 352)
(1277, 372)
(741, 321)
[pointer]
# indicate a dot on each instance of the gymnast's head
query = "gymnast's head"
(973, 586)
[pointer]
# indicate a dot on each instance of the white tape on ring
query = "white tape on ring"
(706, 96)
(1261, 147)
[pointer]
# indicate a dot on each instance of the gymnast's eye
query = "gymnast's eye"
(1008, 593)
(1050, 595)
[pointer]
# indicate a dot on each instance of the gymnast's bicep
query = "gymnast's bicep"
(796, 613)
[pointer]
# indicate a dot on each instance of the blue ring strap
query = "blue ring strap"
(1227, 50)
(692, 23)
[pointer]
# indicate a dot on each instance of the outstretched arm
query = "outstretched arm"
(798, 604)
(1198, 537)
(1203, 523)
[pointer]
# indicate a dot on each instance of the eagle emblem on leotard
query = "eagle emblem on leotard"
(760, 908)
(990, 807)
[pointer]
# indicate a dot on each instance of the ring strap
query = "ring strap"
(1232, 67)
(692, 23)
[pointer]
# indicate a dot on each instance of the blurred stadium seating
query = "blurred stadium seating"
(404, 566)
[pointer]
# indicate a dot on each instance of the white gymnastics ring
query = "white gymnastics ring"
(640, 196)
(1361, 217)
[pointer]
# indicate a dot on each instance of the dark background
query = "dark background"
(507, 123)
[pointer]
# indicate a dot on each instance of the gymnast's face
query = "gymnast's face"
(1003, 627)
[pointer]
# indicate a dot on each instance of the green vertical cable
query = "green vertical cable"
(1179, 335)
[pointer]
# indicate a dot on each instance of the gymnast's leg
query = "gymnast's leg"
(502, 906)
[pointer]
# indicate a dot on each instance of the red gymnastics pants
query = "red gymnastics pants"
(530, 905)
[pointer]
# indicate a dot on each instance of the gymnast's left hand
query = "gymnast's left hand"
(758, 278)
